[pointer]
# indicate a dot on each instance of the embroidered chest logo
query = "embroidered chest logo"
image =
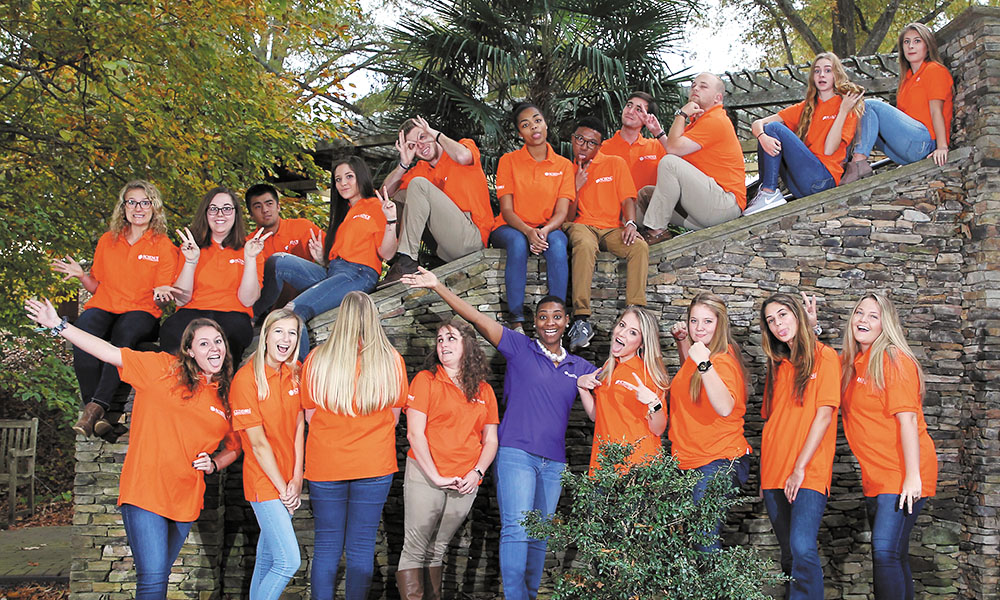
(813, 376)
(646, 157)
(553, 173)
(291, 243)
(236, 261)
(829, 117)
(365, 216)
(479, 401)
(239, 412)
(607, 179)
(217, 411)
(149, 257)
(293, 392)
(568, 374)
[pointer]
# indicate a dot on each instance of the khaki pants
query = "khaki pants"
(585, 241)
(427, 207)
(431, 516)
(687, 197)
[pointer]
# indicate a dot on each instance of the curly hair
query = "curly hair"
(841, 85)
(119, 224)
(189, 374)
(474, 368)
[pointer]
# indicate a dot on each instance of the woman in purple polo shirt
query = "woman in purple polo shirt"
(539, 390)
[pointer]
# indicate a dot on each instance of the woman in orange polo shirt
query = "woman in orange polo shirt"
(801, 396)
(919, 126)
(451, 423)
(268, 416)
(180, 414)
(534, 188)
(353, 388)
(809, 159)
(134, 263)
(221, 274)
(625, 397)
(883, 385)
(708, 398)
(361, 234)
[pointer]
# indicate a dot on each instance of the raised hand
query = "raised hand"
(41, 312)
(189, 247)
(849, 100)
(316, 247)
(581, 175)
(406, 153)
(255, 245)
(588, 381)
(69, 268)
(422, 123)
(388, 206)
(692, 110)
(679, 331)
(421, 279)
(809, 303)
(642, 393)
(653, 124)
(699, 352)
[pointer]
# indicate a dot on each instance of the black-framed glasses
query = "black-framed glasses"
(141, 203)
(588, 143)
(226, 210)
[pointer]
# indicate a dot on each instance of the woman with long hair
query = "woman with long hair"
(133, 267)
(625, 398)
(883, 386)
(539, 390)
(268, 416)
(221, 275)
(451, 423)
(361, 234)
(534, 187)
(180, 414)
(919, 126)
(353, 388)
(801, 396)
(806, 143)
(708, 398)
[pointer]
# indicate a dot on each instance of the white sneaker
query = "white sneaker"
(763, 201)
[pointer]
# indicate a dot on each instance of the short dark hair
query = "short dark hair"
(259, 189)
(550, 299)
(650, 102)
(595, 124)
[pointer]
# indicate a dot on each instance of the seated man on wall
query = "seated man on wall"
(446, 194)
(641, 154)
(701, 181)
(602, 217)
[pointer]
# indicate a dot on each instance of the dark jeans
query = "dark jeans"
(99, 380)
(235, 325)
(739, 474)
(155, 541)
(516, 270)
(796, 525)
(800, 169)
(891, 529)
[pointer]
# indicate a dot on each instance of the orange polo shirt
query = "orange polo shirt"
(292, 237)
(786, 429)
(168, 433)
(642, 156)
(872, 429)
(342, 447)
(454, 424)
(720, 156)
(217, 279)
(535, 185)
(360, 235)
(932, 81)
(822, 120)
(278, 414)
(464, 184)
(600, 199)
(127, 273)
(620, 417)
(698, 435)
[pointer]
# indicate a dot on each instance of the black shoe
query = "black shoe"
(404, 265)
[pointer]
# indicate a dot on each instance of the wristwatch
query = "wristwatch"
(655, 408)
(478, 472)
(681, 113)
(704, 366)
(632, 223)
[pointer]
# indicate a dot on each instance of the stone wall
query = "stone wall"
(927, 235)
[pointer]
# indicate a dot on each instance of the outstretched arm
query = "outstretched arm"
(45, 315)
(487, 327)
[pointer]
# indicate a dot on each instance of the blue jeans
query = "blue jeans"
(323, 288)
(99, 380)
(525, 482)
(277, 551)
(155, 541)
(796, 526)
(891, 529)
(516, 272)
(346, 515)
(739, 474)
(902, 138)
(800, 169)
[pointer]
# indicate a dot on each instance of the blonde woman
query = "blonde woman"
(806, 143)
(625, 397)
(353, 388)
(268, 416)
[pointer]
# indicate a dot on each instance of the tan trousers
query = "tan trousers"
(427, 207)
(585, 241)
(685, 196)
(431, 516)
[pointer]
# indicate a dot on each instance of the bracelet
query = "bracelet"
(392, 222)
(661, 134)
(215, 465)
(478, 472)
(405, 167)
(759, 134)
(817, 329)
(437, 138)
(632, 223)
(58, 328)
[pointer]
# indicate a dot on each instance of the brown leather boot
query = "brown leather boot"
(92, 411)
(410, 583)
(433, 585)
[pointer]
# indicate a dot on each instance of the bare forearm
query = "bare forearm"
(489, 328)
(387, 249)
(249, 290)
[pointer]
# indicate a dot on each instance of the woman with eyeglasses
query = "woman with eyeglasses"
(221, 275)
(134, 265)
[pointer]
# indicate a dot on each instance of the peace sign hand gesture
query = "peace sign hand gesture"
(316, 247)
(388, 206)
(189, 247)
(255, 245)
(642, 393)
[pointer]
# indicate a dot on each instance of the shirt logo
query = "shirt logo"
(365, 216)
(607, 179)
(478, 401)
(239, 412)
(813, 376)
(236, 261)
(553, 173)
(149, 257)
(218, 412)
(291, 243)
(568, 374)
(293, 392)
(647, 157)
(860, 380)
(829, 117)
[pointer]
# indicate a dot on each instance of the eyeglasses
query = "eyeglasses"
(142, 203)
(226, 210)
(587, 143)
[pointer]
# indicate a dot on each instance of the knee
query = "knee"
(516, 247)
(291, 563)
(418, 186)
(885, 556)
(774, 128)
(803, 549)
(638, 251)
(581, 239)
(557, 243)
(668, 165)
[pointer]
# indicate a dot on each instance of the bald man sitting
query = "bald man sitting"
(701, 180)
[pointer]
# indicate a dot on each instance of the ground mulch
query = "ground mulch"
(35, 591)
(50, 514)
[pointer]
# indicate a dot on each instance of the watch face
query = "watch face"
(704, 366)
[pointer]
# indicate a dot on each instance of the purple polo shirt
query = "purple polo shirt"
(538, 396)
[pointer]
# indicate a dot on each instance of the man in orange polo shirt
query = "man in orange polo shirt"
(641, 154)
(446, 194)
(701, 181)
(602, 217)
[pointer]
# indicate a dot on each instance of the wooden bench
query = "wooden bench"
(17, 460)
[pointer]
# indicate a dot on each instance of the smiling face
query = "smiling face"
(531, 127)
(866, 323)
(550, 323)
(423, 146)
(781, 322)
(702, 323)
(823, 76)
(585, 142)
(208, 349)
(219, 222)
(265, 210)
(914, 48)
(626, 338)
(346, 183)
(449, 348)
(634, 113)
(135, 213)
(282, 340)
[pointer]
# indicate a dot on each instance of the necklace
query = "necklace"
(556, 358)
